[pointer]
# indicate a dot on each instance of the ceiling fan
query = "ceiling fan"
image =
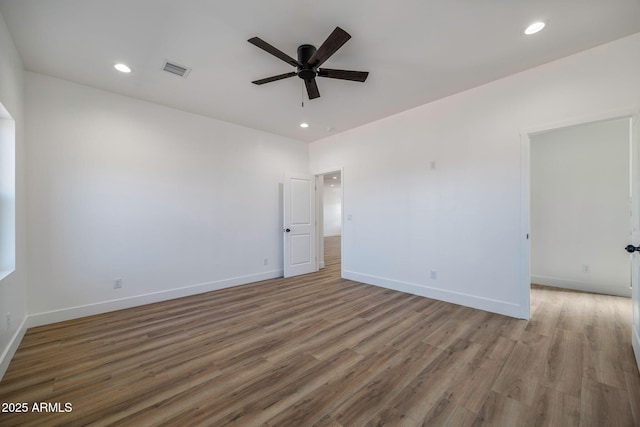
(309, 61)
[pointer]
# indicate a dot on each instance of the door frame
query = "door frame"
(634, 134)
(525, 190)
(320, 215)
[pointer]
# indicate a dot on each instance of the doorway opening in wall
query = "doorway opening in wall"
(7, 193)
(580, 194)
(329, 218)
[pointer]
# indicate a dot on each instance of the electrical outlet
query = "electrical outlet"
(8, 321)
(434, 274)
(266, 261)
(585, 268)
(117, 283)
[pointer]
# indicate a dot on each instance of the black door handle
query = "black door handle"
(287, 230)
(631, 249)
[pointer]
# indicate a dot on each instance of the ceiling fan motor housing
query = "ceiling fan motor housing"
(306, 72)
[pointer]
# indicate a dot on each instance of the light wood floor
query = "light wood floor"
(319, 350)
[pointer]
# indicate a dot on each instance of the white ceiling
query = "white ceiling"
(416, 51)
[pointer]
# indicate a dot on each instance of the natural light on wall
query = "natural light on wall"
(7, 193)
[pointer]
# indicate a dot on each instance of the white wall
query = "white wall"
(463, 219)
(13, 289)
(580, 207)
(332, 210)
(171, 202)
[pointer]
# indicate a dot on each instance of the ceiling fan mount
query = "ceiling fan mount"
(306, 71)
(309, 61)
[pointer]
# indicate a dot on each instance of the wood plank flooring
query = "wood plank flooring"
(318, 350)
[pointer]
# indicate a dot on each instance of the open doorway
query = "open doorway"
(580, 207)
(329, 214)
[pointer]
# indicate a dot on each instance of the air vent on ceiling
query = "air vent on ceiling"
(178, 70)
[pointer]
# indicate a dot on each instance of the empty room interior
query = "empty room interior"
(296, 213)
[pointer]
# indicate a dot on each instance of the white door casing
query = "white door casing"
(299, 225)
(635, 234)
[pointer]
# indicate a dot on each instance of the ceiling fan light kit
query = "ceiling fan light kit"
(309, 61)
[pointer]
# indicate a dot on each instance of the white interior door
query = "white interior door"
(299, 225)
(635, 235)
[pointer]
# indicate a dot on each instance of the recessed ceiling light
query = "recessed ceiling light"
(534, 28)
(123, 68)
(335, 177)
(304, 125)
(332, 185)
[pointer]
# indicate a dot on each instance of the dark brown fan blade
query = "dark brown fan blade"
(356, 76)
(334, 42)
(274, 78)
(273, 51)
(312, 88)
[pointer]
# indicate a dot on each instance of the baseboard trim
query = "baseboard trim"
(467, 300)
(580, 286)
(70, 313)
(10, 350)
